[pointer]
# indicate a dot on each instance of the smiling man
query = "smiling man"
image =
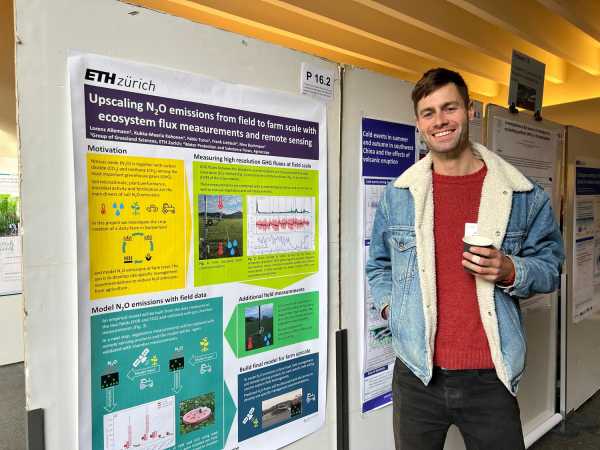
(454, 315)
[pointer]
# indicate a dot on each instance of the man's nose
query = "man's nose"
(439, 119)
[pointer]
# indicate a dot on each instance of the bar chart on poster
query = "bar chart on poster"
(145, 427)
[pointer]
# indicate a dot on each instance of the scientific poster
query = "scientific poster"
(534, 150)
(388, 149)
(586, 245)
(202, 270)
(10, 239)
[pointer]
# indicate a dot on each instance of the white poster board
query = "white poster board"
(536, 149)
(582, 346)
(202, 260)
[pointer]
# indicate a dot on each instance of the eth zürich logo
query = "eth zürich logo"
(127, 81)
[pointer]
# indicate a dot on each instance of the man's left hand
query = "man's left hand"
(489, 263)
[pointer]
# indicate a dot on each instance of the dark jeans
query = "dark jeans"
(476, 401)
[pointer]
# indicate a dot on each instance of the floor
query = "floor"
(12, 407)
(580, 432)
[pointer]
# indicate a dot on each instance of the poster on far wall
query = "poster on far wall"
(534, 149)
(10, 239)
(586, 241)
(388, 149)
(202, 260)
(531, 148)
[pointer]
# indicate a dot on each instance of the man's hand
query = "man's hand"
(489, 263)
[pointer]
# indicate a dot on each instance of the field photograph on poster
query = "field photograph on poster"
(220, 226)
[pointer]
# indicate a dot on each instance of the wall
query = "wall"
(582, 114)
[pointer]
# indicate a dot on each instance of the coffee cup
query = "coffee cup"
(476, 240)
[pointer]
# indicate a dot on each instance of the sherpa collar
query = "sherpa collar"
(506, 174)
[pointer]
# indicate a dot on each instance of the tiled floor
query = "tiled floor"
(12, 407)
(580, 432)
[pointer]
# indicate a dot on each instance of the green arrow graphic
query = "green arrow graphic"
(229, 411)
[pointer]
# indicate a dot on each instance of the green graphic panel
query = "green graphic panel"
(280, 282)
(254, 224)
(265, 325)
(157, 377)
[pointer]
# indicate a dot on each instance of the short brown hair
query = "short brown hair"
(434, 79)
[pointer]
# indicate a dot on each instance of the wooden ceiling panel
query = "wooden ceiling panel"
(405, 38)
(540, 26)
(584, 14)
(387, 31)
(460, 26)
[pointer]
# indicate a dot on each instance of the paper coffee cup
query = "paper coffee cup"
(476, 241)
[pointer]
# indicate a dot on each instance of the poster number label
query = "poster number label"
(319, 78)
(317, 82)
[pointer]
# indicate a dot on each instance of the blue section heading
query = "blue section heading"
(376, 402)
(377, 181)
(388, 148)
(587, 181)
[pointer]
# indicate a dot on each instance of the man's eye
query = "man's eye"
(426, 115)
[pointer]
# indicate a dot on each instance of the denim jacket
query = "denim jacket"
(513, 211)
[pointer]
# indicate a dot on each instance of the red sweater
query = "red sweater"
(460, 342)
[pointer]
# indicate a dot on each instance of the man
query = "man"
(454, 315)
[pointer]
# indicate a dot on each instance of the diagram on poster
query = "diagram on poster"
(145, 427)
(280, 224)
(202, 282)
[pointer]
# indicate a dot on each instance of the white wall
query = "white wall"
(48, 30)
(11, 329)
(583, 114)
